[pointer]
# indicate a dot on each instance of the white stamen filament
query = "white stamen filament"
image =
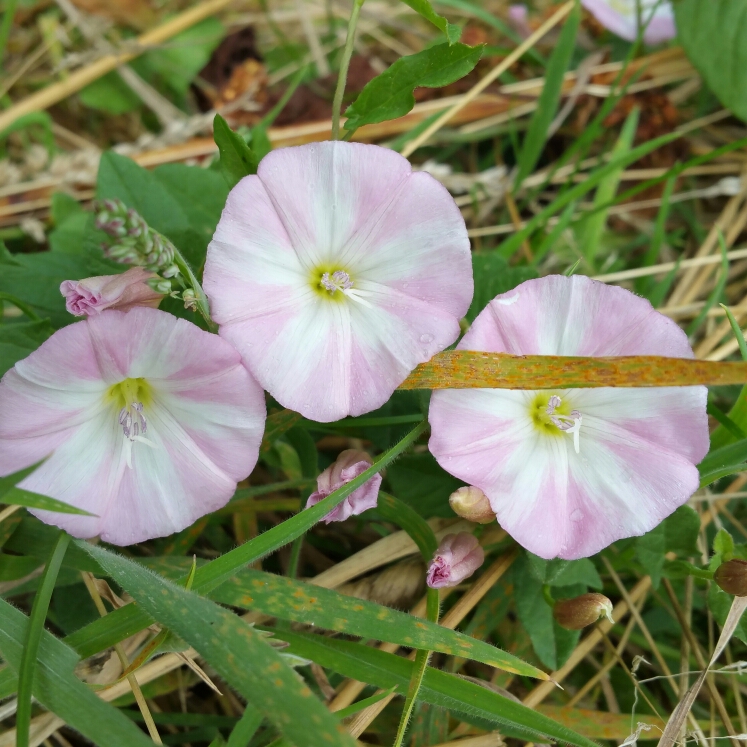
(570, 424)
(339, 280)
(133, 424)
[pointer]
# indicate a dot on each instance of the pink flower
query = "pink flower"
(347, 467)
(621, 18)
(458, 557)
(335, 271)
(144, 420)
(568, 472)
(93, 295)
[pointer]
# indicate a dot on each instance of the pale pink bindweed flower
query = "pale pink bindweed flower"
(93, 295)
(458, 556)
(350, 464)
(144, 420)
(621, 18)
(568, 472)
(335, 271)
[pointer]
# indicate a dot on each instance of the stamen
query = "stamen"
(339, 280)
(134, 424)
(570, 424)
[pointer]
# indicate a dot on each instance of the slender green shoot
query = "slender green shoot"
(33, 638)
(344, 64)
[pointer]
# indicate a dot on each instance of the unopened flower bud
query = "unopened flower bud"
(458, 557)
(93, 295)
(577, 613)
(190, 299)
(347, 467)
(472, 504)
(732, 577)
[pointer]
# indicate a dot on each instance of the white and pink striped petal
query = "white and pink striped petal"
(568, 472)
(148, 423)
(335, 271)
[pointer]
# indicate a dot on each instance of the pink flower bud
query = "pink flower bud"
(458, 557)
(518, 16)
(732, 577)
(577, 613)
(472, 504)
(347, 467)
(93, 295)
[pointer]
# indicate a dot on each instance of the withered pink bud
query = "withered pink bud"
(472, 504)
(732, 577)
(93, 295)
(458, 557)
(577, 613)
(347, 467)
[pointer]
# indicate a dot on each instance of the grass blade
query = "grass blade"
(235, 649)
(34, 631)
(547, 104)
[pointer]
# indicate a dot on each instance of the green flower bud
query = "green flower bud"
(577, 613)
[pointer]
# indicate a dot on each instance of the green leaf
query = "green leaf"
(494, 276)
(719, 602)
(27, 499)
(110, 94)
(152, 197)
(723, 544)
(564, 572)
(201, 192)
(552, 644)
(677, 533)
(723, 458)
(237, 159)
(235, 649)
(246, 727)
(452, 31)
(547, 104)
(176, 63)
(468, 700)
(19, 339)
(58, 689)
(390, 95)
(294, 600)
(407, 518)
(419, 481)
(714, 36)
(36, 279)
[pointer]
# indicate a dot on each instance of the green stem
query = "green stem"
(547, 595)
(33, 639)
(295, 556)
(418, 673)
(10, 11)
(703, 573)
(202, 303)
(737, 330)
(344, 64)
(24, 307)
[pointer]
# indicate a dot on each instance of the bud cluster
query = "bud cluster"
(134, 241)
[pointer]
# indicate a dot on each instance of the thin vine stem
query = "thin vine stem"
(33, 639)
(344, 65)
(421, 664)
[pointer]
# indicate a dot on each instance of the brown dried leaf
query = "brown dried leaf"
(135, 13)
